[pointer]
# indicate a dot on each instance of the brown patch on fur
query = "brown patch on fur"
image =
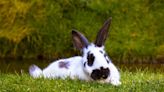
(63, 64)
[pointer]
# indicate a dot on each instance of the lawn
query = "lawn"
(138, 81)
(39, 29)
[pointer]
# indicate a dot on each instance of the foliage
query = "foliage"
(41, 29)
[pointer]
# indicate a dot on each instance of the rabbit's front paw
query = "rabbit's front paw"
(115, 82)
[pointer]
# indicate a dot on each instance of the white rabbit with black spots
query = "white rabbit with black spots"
(93, 65)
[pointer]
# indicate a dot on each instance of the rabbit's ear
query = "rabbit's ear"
(79, 40)
(103, 33)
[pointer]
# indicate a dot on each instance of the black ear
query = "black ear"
(103, 33)
(79, 40)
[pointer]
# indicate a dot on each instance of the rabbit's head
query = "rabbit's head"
(95, 60)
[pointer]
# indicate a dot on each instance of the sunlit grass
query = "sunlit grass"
(139, 81)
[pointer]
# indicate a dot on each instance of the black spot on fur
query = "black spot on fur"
(106, 57)
(107, 61)
(84, 64)
(101, 73)
(90, 58)
(101, 51)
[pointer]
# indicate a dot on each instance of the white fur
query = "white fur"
(76, 68)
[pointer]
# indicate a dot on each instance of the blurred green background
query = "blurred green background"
(41, 29)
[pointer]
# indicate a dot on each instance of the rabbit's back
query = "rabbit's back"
(63, 68)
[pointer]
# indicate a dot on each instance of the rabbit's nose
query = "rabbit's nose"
(99, 74)
(104, 76)
(104, 72)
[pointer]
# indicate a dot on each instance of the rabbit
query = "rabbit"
(93, 65)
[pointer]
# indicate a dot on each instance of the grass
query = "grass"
(139, 81)
(41, 29)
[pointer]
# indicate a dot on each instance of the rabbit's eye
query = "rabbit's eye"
(90, 58)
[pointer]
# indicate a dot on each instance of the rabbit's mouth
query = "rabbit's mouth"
(101, 73)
